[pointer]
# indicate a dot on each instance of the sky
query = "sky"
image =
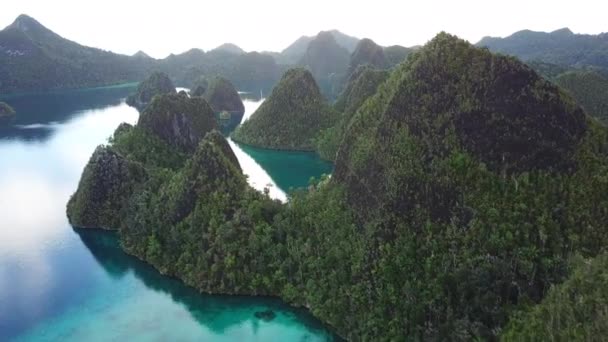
(163, 27)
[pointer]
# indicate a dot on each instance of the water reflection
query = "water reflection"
(219, 314)
(38, 115)
(58, 284)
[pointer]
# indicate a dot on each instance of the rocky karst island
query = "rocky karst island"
(156, 84)
(291, 117)
(402, 240)
(447, 191)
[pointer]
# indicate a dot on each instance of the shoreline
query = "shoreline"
(60, 90)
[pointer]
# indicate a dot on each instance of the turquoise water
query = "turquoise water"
(59, 284)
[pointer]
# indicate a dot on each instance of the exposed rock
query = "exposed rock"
(105, 186)
(180, 121)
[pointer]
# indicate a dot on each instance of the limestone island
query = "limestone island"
(291, 117)
(156, 84)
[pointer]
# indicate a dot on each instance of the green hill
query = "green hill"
(290, 117)
(589, 88)
(367, 53)
(362, 85)
(469, 176)
(157, 83)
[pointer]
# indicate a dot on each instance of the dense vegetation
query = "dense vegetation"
(576, 310)
(363, 83)
(6, 109)
(291, 117)
(222, 96)
(589, 88)
(462, 189)
(156, 84)
(561, 47)
(472, 177)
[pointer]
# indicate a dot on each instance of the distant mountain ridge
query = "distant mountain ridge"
(294, 52)
(33, 57)
(562, 47)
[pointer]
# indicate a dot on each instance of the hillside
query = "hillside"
(221, 96)
(561, 47)
(328, 63)
(157, 83)
(362, 85)
(34, 58)
(367, 53)
(294, 52)
(293, 114)
(396, 54)
(589, 88)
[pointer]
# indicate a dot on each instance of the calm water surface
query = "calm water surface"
(58, 284)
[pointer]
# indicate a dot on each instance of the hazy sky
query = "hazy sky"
(163, 27)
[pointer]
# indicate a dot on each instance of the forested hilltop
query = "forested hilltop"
(292, 116)
(468, 200)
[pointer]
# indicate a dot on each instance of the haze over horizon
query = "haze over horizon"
(160, 29)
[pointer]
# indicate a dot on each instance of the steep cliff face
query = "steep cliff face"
(291, 117)
(106, 184)
(157, 83)
(180, 121)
